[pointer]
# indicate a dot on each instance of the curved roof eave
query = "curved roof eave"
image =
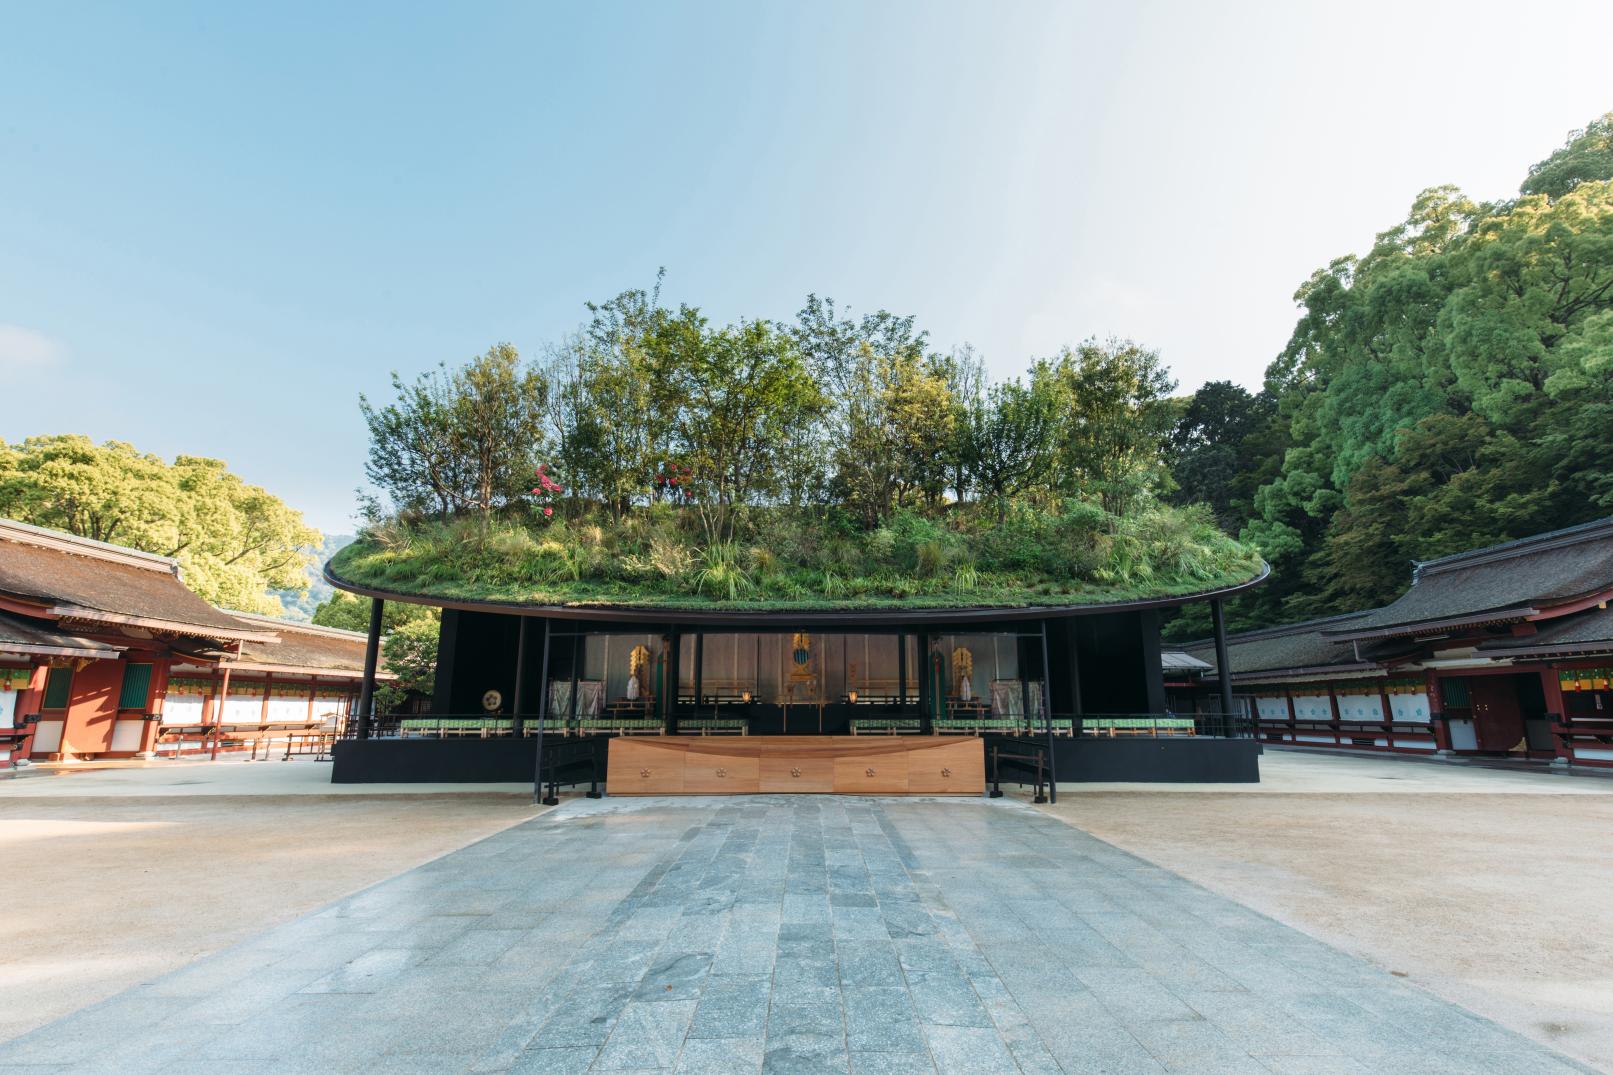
(876, 617)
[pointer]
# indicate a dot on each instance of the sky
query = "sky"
(219, 224)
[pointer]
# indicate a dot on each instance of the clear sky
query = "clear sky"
(221, 222)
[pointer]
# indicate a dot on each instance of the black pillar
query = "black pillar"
(1074, 657)
(576, 675)
(699, 669)
(372, 655)
(442, 695)
(1223, 666)
(518, 704)
(674, 676)
(1153, 662)
(901, 671)
(543, 712)
(1047, 711)
(926, 724)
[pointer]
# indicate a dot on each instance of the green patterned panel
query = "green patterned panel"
(136, 685)
(58, 686)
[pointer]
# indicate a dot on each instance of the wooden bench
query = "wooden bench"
(885, 725)
(713, 726)
(1151, 726)
(235, 735)
(455, 727)
(976, 725)
(617, 726)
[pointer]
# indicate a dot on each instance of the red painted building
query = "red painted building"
(1500, 651)
(103, 651)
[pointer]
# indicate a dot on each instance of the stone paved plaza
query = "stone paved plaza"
(780, 934)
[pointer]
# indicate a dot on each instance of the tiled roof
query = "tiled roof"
(32, 638)
(1500, 583)
(81, 580)
(1177, 661)
(1590, 631)
(1291, 647)
(304, 646)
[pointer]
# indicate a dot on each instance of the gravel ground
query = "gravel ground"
(1494, 899)
(121, 882)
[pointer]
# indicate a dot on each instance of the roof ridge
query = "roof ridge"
(1506, 550)
(62, 541)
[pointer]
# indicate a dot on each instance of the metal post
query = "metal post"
(1047, 713)
(518, 704)
(1223, 665)
(543, 712)
(372, 654)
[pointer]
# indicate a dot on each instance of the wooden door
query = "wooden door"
(1497, 716)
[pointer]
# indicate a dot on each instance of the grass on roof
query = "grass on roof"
(798, 560)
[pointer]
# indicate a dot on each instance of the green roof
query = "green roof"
(1170, 557)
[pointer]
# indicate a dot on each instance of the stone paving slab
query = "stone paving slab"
(781, 934)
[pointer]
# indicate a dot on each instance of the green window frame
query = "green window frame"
(58, 688)
(136, 684)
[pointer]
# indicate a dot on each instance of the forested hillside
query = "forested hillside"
(1451, 388)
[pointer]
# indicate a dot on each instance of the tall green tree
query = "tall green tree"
(743, 394)
(460, 440)
(1444, 390)
(1115, 399)
(1222, 449)
(234, 541)
(1009, 441)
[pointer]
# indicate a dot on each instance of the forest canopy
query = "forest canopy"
(234, 541)
(1449, 389)
(657, 458)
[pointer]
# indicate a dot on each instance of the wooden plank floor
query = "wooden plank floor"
(755, 764)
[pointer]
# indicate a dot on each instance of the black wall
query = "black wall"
(1115, 656)
(475, 654)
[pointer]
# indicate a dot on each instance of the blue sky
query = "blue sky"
(220, 223)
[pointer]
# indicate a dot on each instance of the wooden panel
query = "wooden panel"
(956, 768)
(782, 773)
(720, 774)
(882, 773)
(860, 765)
(639, 767)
